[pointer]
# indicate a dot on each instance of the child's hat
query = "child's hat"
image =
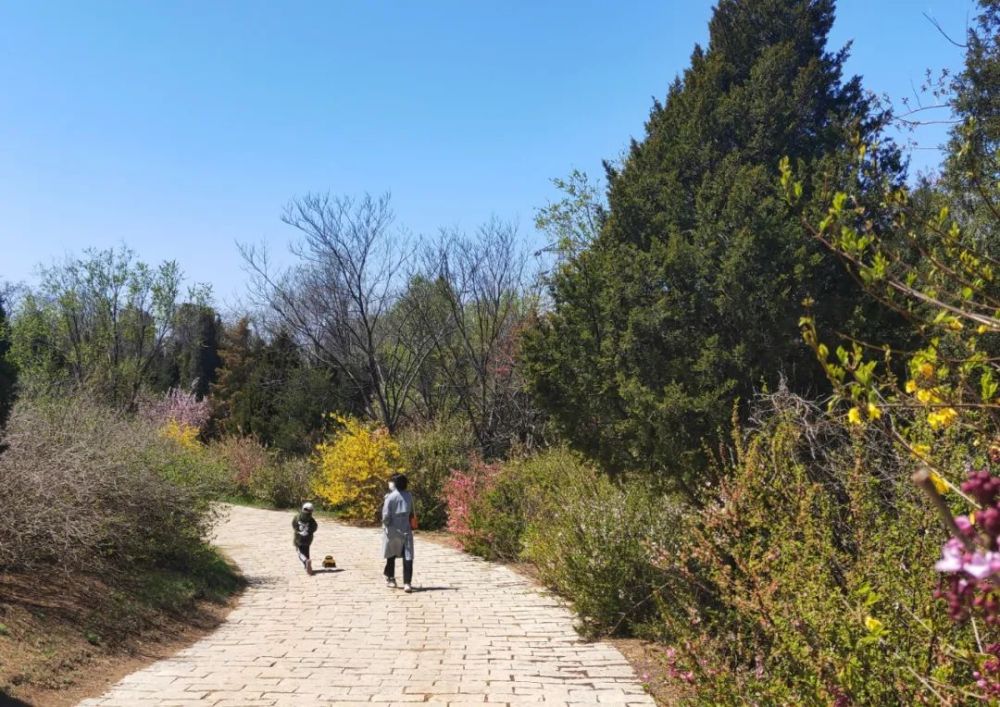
(307, 507)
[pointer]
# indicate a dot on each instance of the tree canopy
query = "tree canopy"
(688, 299)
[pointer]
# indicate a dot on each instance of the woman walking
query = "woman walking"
(398, 521)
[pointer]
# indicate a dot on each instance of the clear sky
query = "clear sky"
(181, 127)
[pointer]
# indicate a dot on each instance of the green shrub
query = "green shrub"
(430, 453)
(814, 571)
(511, 495)
(589, 537)
(497, 510)
(282, 483)
(193, 467)
(590, 540)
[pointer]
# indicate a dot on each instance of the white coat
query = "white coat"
(397, 538)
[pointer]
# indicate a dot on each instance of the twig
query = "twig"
(944, 34)
(922, 478)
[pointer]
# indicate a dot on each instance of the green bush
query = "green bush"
(192, 467)
(499, 510)
(284, 483)
(590, 539)
(430, 453)
(814, 574)
(515, 494)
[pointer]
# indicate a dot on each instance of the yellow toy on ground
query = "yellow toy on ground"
(328, 561)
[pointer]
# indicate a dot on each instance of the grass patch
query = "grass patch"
(62, 632)
(208, 576)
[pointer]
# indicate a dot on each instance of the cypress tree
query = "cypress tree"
(689, 298)
(972, 169)
(268, 390)
(8, 373)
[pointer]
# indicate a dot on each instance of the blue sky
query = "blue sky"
(182, 127)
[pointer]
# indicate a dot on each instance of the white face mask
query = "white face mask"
(392, 486)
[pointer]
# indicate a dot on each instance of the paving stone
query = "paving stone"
(472, 633)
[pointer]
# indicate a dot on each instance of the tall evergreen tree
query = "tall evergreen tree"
(191, 353)
(8, 373)
(689, 298)
(972, 169)
(267, 389)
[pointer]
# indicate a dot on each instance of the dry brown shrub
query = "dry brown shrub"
(83, 488)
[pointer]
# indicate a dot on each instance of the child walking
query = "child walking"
(304, 526)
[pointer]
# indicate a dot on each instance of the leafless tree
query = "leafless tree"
(481, 282)
(343, 298)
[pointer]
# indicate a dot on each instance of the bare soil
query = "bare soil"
(650, 664)
(64, 638)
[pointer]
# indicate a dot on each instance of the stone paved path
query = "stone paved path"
(472, 633)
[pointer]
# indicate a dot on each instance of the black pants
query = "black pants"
(303, 551)
(390, 569)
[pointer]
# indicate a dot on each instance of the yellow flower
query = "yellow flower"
(982, 329)
(854, 416)
(926, 370)
(955, 325)
(872, 624)
(921, 450)
(181, 433)
(911, 386)
(352, 465)
(873, 412)
(942, 418)
(938, 482)
(924, 396)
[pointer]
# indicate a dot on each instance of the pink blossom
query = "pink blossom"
(982, 564)
(951, 556)
(461, 491)
(978, 564)
(179, 407)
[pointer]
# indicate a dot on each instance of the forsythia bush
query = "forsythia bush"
(183, 434)
(352, 467)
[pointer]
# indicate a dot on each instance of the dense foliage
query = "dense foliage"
(688, 297)
(431, 453)
(812, 574)
(8, 373)
(98, 323)
(268, 389)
